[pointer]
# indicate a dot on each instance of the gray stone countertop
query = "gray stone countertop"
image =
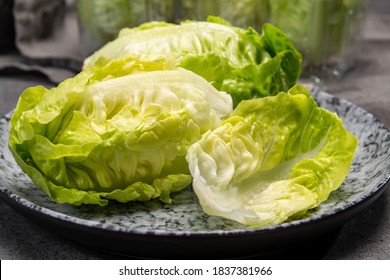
(366, 236)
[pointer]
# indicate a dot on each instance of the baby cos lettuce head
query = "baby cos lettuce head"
(272, 159)
(95, 138)
(241, 62)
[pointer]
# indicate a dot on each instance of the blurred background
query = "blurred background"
(54, 36)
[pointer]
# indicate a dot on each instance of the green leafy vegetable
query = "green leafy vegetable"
(242, 13)
(102, 135)
(272, 159)
(319, 29)
(241, 62)
(104, 18)
(153, 110)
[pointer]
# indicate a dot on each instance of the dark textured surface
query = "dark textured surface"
(366, 236)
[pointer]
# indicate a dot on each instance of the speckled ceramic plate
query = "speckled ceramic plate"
(181, 229)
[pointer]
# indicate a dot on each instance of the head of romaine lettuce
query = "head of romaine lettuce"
(238, 61)
(96, 137)
(104, 18)
(319, 29)
(271, 160)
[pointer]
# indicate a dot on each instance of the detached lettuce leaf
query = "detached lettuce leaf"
(240, 62)
(96, 137)
(271, 160)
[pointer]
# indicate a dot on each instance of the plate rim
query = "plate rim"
(372, 196)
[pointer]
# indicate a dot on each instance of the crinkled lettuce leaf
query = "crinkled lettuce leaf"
(271, 160)
(104, 135)
(240, 62)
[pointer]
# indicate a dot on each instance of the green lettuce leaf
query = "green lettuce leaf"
(271, 160)
(101, 136)
(241, 62)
